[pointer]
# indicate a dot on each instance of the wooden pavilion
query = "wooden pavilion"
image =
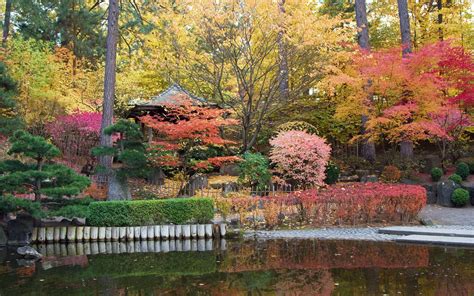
(156, 105)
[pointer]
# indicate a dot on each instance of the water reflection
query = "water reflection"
(207, 267)
(150, 246)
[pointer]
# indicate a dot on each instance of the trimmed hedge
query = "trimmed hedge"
(150, 212)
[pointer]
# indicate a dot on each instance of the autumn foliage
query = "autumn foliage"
(183, 128)
(300, 158)
(404, 95)
(75, 134)
(343, 204)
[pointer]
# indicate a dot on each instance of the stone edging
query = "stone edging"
(131, 233)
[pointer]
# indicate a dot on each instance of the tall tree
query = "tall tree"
(6, 22)
(404, 19)
(283, 79)
(109, 84)
(368, 147)
(75, 24)
(406, 146)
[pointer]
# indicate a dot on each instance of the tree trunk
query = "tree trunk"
(368, 147)
(283, 75)
(404, 26)
(406, 147)
(6, 23)
(440, 19)
(118, 188)
(109, 84)
(362, 24)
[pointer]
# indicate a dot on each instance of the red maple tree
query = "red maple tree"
(184, 127)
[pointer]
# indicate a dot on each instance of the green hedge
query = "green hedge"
(150, 212)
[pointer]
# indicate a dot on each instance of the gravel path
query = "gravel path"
(448, 216)
(362, 234)
(366, 234)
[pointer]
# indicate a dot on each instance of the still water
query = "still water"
(272, 267)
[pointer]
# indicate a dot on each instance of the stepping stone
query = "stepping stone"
(407, 230)
(437, 240)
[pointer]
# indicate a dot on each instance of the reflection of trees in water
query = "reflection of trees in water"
(266, 255)
(257, 268)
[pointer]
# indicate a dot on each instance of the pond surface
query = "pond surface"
(276, 267)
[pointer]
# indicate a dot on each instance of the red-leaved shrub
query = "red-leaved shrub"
(76, 134)
(342, 204)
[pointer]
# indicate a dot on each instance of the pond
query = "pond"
(248, 267)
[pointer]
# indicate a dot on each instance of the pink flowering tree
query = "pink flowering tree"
(300, 158)
(75, 135)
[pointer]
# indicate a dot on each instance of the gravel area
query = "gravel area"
(365, 234)
(438, 215)
(362, 234)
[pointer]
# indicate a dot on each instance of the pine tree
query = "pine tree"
(40, 175)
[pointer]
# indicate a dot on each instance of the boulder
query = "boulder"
(196, 182)
(431, 193)
(444, 191)
(3, 237)
(20, 230)
(369, 178)
(469, 186)
(353, 178)
(431, 161)
(230, 169)
(28, 252)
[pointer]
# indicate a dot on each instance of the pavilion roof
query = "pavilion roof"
(172, 95)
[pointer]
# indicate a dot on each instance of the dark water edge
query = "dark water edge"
(233, 267)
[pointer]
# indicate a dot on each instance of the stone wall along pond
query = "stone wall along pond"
(131, 233)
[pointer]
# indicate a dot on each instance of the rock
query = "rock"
(118, 189)
(196, 182)
(28, 252)
(362, 173)
(230, 169)
(230, 187)
(431, 193)
(431, 161)
(369, 178)
(3, 237)
(408, 181)
(20, 230)
(353, 178)
(444, 191)
(469, 186)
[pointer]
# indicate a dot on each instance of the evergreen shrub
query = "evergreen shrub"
(151, 212)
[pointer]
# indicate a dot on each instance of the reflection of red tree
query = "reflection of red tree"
(311, 282)
(328, 255)
(52, 261)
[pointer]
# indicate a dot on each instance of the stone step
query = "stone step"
(408, 230)
(437, 240)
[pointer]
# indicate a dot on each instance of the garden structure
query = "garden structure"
(174, 95)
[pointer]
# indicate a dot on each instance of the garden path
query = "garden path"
(438, 215)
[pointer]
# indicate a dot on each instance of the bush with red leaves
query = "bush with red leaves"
(344, 204)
